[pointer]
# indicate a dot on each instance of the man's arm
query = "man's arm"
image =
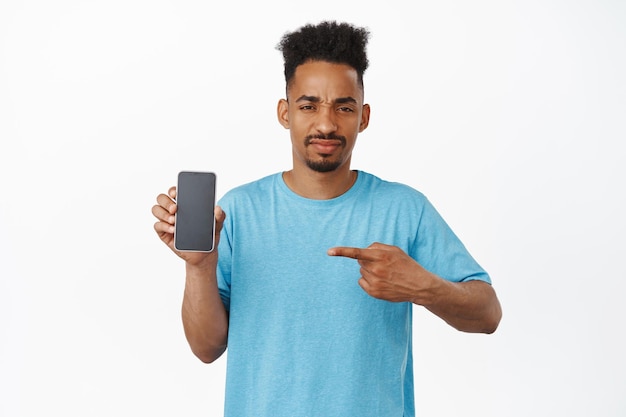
(470, 306)
(205, 319)
(388, 273)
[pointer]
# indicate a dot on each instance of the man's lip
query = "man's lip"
(325, 142)
(325, 146)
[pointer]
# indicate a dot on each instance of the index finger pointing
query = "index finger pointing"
(349, 252)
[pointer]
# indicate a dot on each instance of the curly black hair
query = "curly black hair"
(329, 41)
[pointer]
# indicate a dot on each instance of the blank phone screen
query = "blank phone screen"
(195, 219)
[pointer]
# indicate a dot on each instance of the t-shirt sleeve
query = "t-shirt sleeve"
(438, 249)
(224, 264)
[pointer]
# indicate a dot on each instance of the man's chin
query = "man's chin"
(323, 165)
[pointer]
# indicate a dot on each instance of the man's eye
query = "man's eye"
(346, 109)
(307, 107)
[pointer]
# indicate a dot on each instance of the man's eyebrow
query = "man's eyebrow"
(312, 99)
(344, 100)
(315, 99)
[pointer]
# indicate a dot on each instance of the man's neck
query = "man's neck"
(319, 185)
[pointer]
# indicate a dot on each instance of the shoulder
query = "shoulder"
(378, 186)
(249, 191)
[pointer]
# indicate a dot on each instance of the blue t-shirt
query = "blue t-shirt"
(304, 339)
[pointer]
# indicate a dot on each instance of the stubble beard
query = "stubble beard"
(323, 165)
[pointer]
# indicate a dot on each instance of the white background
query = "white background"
(508, 115)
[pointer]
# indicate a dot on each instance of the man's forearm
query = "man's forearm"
(205, 319)
(470, 306)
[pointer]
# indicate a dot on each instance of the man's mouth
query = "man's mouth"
(325, 146)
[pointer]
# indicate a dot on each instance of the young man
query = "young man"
(318, 268)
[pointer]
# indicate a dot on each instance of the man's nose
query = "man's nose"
(326, 121)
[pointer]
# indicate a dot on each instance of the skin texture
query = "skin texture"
(324, 112)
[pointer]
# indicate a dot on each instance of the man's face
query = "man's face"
(325, 113)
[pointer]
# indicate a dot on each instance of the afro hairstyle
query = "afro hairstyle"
(339, 43)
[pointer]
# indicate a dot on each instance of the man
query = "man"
(318, 267)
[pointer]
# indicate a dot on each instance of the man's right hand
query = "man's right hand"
(165, 211)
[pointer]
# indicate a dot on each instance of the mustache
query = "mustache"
(330, 136)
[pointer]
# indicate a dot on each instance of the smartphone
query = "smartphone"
(194, 229)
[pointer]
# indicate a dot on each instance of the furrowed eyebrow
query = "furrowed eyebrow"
(344, 100)
(312, 99)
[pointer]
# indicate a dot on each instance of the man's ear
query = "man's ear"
(365, 118)
(282, 111)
